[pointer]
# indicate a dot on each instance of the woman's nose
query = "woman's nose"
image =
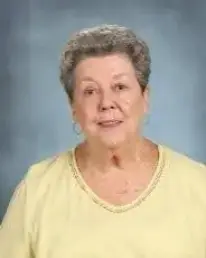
(107, 102)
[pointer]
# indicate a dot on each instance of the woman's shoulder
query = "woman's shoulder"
(184, 166)
(49, 169)
(181, 159)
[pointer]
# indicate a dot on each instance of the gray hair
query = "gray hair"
(103, 40)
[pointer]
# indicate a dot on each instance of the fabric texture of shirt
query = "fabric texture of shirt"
(54, 214)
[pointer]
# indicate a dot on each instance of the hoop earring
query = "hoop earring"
(75, 128)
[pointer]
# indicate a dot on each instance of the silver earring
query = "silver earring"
(146, 120)
(76, 129)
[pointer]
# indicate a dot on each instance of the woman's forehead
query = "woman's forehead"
(115, 66)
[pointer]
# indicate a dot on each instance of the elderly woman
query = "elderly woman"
(116, 194)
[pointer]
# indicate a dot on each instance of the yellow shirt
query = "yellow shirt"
(54, 214)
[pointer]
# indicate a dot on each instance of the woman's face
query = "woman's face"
(109, 104)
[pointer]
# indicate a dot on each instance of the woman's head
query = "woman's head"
(105, 72)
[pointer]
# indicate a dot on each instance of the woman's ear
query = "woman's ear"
(74, 117)
(146, 95)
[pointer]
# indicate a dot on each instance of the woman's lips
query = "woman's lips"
(109, 123)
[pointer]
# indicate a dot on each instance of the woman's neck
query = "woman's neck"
(121, 157)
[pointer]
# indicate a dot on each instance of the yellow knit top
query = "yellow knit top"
(54, 214)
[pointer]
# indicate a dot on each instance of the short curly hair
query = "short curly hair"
(104, 40)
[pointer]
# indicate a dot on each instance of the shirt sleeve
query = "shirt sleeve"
(14, 230)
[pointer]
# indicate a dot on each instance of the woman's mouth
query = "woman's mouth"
(109, 123)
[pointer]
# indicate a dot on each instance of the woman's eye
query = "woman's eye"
(120, 86)
(89, 92)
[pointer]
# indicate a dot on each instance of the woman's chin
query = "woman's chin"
(112, 142)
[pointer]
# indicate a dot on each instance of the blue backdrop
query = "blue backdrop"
(35, 120)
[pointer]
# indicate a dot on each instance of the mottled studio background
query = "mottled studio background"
(34, 118)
